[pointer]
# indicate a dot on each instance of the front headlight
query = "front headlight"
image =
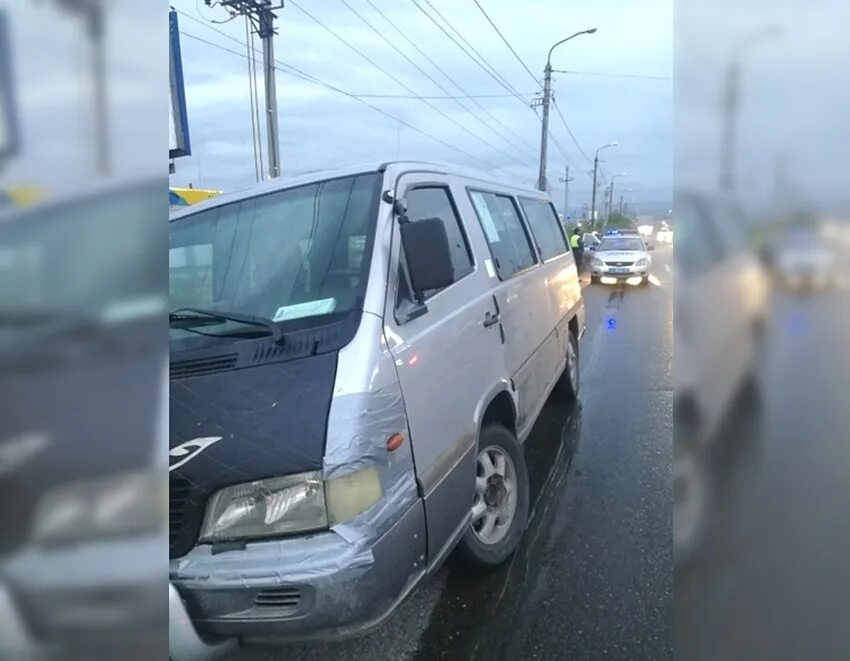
(119, 505)
(643, 261)
(286, 505)
(597, 262)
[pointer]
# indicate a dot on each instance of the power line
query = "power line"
(471, 47)
(507, 43)
(446, 75)
(534, 78)
(494, 76)
(567, 126)
(612, 75)
(297, 73)
(438, 97)
(402, 84)
(421, 70)
(255, 118)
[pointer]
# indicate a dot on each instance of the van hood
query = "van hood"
(250, 423)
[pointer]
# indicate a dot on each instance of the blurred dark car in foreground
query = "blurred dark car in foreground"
(82, 423)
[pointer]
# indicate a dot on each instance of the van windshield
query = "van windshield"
(292, 254)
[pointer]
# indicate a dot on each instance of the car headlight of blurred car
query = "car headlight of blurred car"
(597, 262)
(285, 505)
(118, 505)
(643, 261)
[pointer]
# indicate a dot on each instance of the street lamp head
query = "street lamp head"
(614, 144)
(591, 31)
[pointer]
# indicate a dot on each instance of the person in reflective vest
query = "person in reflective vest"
(577, 245)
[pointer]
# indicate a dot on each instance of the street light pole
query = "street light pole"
(547, 96)
(595, 170)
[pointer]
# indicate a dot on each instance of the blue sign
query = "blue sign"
(178, 144)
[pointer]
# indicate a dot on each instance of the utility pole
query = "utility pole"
(593, 197)
(566, 181)
(621, 204)
(595, 170)
(611, 195)
(547, 97)
(261, 13)
(544, 136)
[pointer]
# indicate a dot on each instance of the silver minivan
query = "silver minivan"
(356, 360)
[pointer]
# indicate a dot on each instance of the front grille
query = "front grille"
(187, 368)
(184, 517)
(278, 598)
(619, 263)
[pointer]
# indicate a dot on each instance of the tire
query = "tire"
(567, 387)
(487, 545)
(594, 279)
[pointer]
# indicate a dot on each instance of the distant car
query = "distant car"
(621, 258)
(664, 236)
(721, 303)
(804, 263)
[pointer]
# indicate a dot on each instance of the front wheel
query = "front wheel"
(500, 503)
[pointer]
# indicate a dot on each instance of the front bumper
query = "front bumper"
(620, 274)
(333, 584)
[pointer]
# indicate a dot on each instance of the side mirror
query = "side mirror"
(651, 247)
(592, 247)
(428, 255)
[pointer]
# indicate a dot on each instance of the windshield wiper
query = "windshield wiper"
(188, 317)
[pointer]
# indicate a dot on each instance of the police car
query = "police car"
(621, 257)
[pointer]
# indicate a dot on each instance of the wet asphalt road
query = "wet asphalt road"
(593, 577)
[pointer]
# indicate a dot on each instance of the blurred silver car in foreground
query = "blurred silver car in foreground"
(721, 306)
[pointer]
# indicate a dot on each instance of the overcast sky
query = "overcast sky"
(792, 141)
(320, 128)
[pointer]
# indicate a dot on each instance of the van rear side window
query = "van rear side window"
(509, 242)
(545, 226)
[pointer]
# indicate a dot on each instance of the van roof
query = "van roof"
(397, 167)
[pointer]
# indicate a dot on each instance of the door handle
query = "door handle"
(491, 319)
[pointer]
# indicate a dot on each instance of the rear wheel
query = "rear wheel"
(567, 386)
(500, 503)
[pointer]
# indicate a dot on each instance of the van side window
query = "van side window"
(435, 202)
(509, 242)
(545, 226)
